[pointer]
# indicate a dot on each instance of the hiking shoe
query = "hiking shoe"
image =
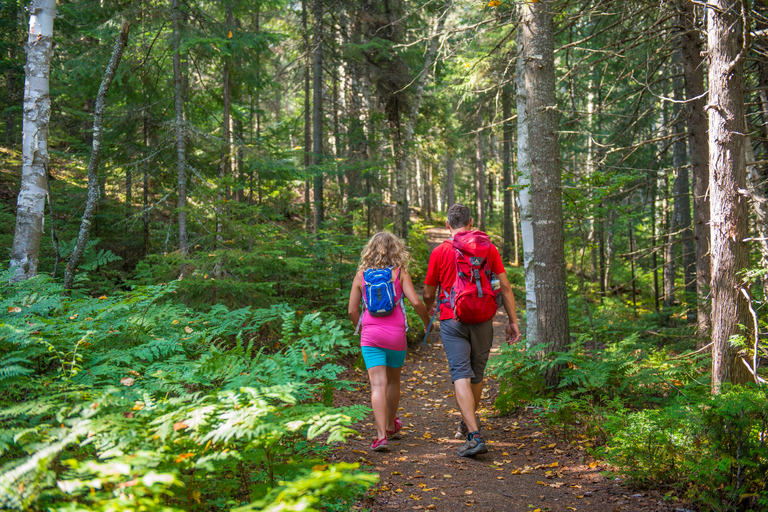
(398, 426)
(462, 432)
(474, 445)
(380, 445)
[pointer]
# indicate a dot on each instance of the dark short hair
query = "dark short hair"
(459, 216)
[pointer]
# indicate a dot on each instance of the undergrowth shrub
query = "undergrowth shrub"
(311, 272)
(136, 402)
(713, 451)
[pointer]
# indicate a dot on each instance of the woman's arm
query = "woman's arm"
(355, 296)
(413, 298)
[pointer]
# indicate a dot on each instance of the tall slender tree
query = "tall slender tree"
(181, 152)
(698, 146)
(30, 208)
(317, 112)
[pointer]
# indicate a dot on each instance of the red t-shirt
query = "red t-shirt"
(442, 271)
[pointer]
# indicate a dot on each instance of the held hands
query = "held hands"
(513, 333)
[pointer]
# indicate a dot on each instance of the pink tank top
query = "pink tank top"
(385, 331)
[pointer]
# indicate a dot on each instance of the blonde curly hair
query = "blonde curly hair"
(384, 250)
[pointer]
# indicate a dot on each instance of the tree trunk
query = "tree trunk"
(728, 208)
(317, 114)
(225, 164)
(307, 120)
(506, 164)
(181, 153)
(698, 145)
(537, 27)
(682, 191)
(670, 223)
(30, 209)
(93, 164)
(480, 171)
(450, 181)
(524, 177)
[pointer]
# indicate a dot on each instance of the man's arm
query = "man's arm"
(429, 298)
(508, 298)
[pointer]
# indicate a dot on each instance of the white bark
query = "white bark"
(524, 196)
(30, 209)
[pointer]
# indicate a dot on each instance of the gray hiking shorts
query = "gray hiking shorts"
(467, 347)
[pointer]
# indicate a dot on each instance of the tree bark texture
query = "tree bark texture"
(506, 164)
(480, 172)
(524, 178)
(698, 146)
(450, 181)
(181, 154)
(727, 175)
(307, 118)
(682, 192)
(30, 206)
(317, 113)
(537, 27)
(93, 164)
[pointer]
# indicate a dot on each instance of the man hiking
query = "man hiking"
(466, 313)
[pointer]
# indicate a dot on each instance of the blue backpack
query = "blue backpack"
(379, 291)
(379, 294)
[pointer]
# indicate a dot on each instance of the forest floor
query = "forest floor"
(527, 467)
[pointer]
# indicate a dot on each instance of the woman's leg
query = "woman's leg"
(393, 395)
(380, 398)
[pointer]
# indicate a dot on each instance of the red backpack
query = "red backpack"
(473, 297)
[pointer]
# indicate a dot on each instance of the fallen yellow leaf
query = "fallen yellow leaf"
(179, 425)
(594, 464)
(320, 467)
(184, 456)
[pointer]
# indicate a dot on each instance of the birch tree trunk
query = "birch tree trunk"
(524, 178)
(537, 28)
(727, 175)
(30, 206)
(93, 164)
(698, 145)
(181, 152)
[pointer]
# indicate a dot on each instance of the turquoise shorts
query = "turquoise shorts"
(375, 356)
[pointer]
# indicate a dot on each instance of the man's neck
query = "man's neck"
(459, 230)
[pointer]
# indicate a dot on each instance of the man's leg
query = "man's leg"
(477, 393)
(465, 398)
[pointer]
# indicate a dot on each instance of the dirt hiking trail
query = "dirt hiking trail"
(525, 468)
